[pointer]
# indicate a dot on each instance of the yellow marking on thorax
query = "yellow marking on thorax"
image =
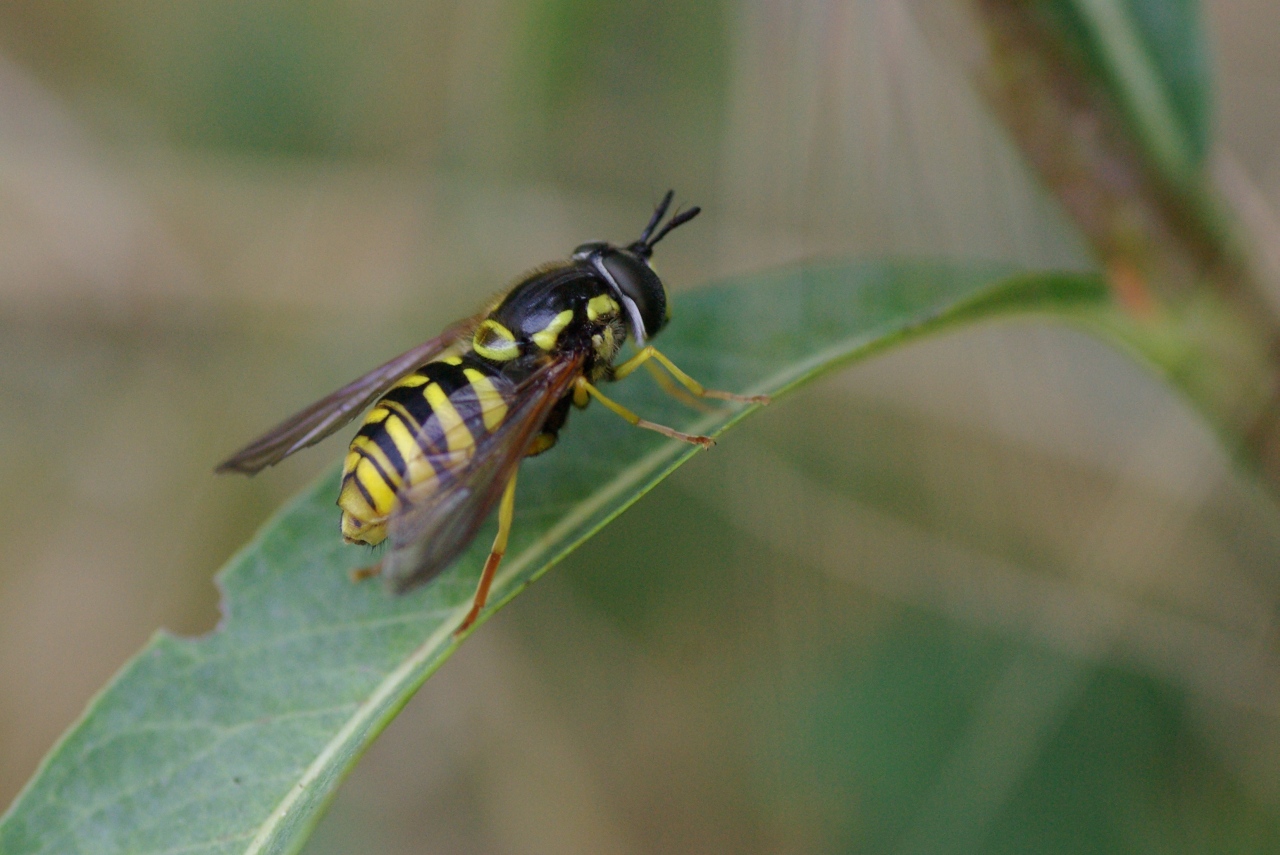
(456, 434)
(600, 306)
(494, 341)
(493, 407)
(546, 339)
(452, 360)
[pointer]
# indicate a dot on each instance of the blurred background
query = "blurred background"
(997, 592)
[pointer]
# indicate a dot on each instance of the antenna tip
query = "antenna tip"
(644, 246)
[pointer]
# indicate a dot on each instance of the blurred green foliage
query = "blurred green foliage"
(1153, 57)
(594, 72)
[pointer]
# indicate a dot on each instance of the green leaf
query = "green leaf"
(234, 742)
(1151, 54)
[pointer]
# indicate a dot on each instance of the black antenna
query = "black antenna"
(644, 246)
(658, 213)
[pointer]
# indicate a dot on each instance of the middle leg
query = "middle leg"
(585, 386)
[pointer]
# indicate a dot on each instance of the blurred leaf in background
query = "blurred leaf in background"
(1153, 58)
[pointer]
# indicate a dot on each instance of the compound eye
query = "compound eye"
(638, 283)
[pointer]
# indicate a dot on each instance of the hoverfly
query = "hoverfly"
(456, 415)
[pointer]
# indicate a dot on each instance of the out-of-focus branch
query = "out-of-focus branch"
(1195, 289)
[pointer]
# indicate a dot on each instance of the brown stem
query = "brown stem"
(1172, 250)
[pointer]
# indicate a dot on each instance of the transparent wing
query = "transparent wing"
(333, 411)
(429, 531)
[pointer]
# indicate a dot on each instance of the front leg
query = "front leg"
(587, 389)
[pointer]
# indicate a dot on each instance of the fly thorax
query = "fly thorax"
(536, 317)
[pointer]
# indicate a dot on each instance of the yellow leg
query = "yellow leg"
(666, 384)
(582, 383)
(650, 352)
(506, 511)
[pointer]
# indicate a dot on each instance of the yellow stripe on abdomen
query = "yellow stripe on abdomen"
(493, 407)
(367, 447)
(410, 438)
(375, 494)
(456, 435)
(406, 440)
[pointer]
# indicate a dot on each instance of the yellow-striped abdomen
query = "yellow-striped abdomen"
(426, 426)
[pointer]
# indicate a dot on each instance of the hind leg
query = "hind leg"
(506, 511)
